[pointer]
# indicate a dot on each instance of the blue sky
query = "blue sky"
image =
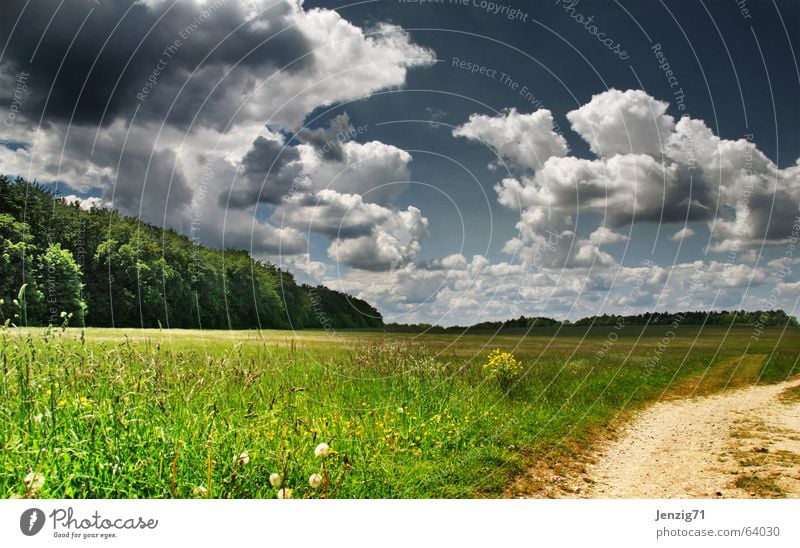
(450, 162)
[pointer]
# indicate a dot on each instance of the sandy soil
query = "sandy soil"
(741, 443)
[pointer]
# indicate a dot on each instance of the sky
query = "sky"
(450, 162)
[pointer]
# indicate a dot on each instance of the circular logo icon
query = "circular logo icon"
(31, 521)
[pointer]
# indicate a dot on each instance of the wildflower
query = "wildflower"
(63, 314)
(504, 367)
(200, 491)
(62, 403)
(34, 481)
(400, 410)
(315, 480)
(322, 450)
(284, 493)
(243, 459)
(38, 417)
(275, 479)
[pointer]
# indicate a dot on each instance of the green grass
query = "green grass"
(145, 413)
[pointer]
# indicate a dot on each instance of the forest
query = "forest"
(62, 264)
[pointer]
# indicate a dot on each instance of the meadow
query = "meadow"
(127, 413)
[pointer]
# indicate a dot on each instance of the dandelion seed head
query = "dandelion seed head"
(322, 450)
(315, 480)
(275, 479)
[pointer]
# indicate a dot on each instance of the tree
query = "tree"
(58, 278)
(17, 281)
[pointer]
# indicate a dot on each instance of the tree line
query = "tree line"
(99, 268)
(757, 318)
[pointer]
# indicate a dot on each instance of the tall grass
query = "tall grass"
(115, 414)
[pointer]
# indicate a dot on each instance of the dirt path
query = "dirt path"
(740, 443)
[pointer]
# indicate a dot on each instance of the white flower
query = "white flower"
(244, 458)
(38, 417)
(63, 314)
(322, 450)
(34, 481)
(275, 479)
(315, 480)
(284, 493)
(200, 491)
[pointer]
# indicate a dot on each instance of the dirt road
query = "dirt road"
(740, 443)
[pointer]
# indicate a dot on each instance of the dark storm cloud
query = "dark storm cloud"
(97, 70)
(150, 187)
(328, 141)
(268, 171)
(773, 217)
(138, 179)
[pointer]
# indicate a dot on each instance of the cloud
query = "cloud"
(647, 169)
(348, 64)
(112, 49)
(268, 172)
(623, 122)
(328, 141)
(327, 158)
(304, 268)
(365, 236)
(332, 214)
(379, 172)
(604, 236)
(525, 140)
(84, 203)
(682, 234)
(456, 261)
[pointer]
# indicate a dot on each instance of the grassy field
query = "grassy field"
(146, 413)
